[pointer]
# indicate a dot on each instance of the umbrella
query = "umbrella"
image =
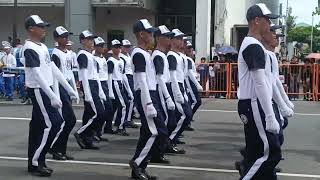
(226, 50)
(313, 56)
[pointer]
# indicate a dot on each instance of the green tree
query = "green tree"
(303, 35)
(291, 20)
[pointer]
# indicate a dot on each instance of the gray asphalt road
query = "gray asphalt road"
(211, 149)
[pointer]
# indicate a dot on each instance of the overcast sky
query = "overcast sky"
(303, 10)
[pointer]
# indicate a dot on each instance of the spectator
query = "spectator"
(307, 80)
(212, 73)
(2, 91)
(295, 72)
(203, 70)
(9, 61)
(17, 43)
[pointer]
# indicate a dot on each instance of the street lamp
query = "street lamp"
(316, 12)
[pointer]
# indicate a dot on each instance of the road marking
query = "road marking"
(227, 111)
(159, 167)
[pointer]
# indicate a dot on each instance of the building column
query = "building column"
(203, 31)
(78, 17)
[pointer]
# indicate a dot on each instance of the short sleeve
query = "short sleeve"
(158, 64)
(172, 63)
(56, 60)
(82, 61)
(139, 63)
(110, 67)
(31, 58)
(189, 64)
(254, 57)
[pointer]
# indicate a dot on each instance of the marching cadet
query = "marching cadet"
(93, 94)
(161, 66)
(263, 151)
(177, 78)
(125, 56)
(103, 76)
(40, 72)
(63, 60)
(153, 127)
(120, 84)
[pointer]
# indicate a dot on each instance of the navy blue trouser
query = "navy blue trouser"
(9, 86)
(172, 119)
(120, 104)
(44, 126)
(108, 107)
(263, 151)
(69, 122)
(93, 113)
(153, 131)
(277, 113)
(197, 96)
(183, 116)
(21, 85)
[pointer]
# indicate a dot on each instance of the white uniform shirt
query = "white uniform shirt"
(128, 64)
(74, 60)
(103, 68)
(63, 61)
(142, 62)
(10, 62)
(176, 64)
(161, 65)
(86, 60)
(37, 55)
(185, 63)
(116, 67)
(247, 62)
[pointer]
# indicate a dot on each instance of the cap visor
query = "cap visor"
(272, 16)
(100, 44)
(116, 46)
(45, 24)
(169, 34)
(151, 30)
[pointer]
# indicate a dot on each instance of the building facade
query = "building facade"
(208, 23)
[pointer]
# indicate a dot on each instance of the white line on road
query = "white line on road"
(227, 111)
(159, 167)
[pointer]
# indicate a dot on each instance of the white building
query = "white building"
(208, 23)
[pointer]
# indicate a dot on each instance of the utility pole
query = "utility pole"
(14, 25)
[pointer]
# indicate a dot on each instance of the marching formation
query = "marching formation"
(159, 85)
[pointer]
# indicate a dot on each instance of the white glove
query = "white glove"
(56, 102)
(131, 97)
(170, 104)
(75, 96)
(286, 112)
(151, 111)
(199, 87)
(111, 95)
(180, 98)
(272, 125)
(290, 105)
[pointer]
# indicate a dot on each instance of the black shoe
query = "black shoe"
(109, 131)
(277, 169)
(160, 160)
(243, 152)
(282, 159)
(131, 124)
(189, 128)
(68, 157)
(180, 142)
(24, 100)
(150, 177)
(137, 172)
(102, 139)
(58, 156)
(90, 145)
(238, 165)
(122, 132)
(174, 150)
(79, 140)
(40, 171)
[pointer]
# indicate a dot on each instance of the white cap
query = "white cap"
(126, 42)
(87, 34)
(115, 42)
(177, 33)
(189, 44)
(6, 45)
(98, 41)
